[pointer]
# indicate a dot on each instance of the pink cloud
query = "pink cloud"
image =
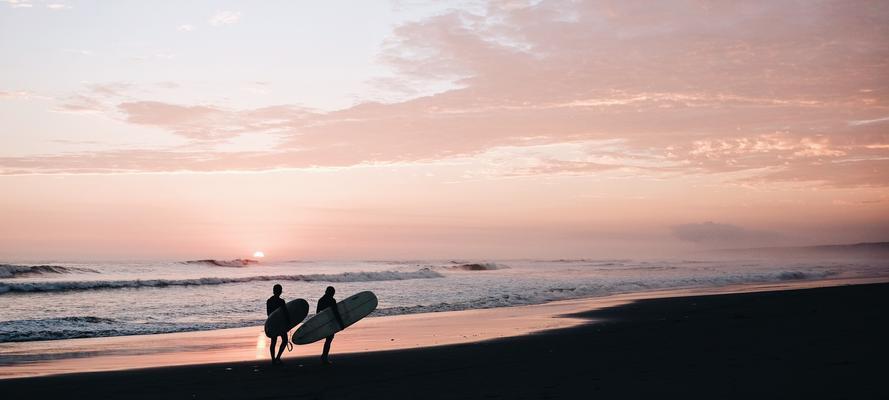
(190, 121)
(81, 104)
(548, 167)
(110, 89)
(207, 122)
(704, 87)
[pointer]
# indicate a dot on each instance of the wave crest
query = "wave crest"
(236, 263)
(477, 267)
(13, 271)
(67, 286)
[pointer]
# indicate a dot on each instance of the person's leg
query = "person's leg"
(272, 348)
(325, 355)
(283, 346)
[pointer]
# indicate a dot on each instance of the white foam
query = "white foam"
(476, 267)
(13, 271)
(361, 276)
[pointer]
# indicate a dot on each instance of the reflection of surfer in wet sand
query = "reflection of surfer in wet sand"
(327, 301)
(273, 303)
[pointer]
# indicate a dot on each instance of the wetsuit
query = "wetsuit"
(273, 303)
(325, 302)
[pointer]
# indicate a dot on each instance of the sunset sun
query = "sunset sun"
(258, 254)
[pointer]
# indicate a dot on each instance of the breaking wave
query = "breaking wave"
(13, 271)
(29, 330)
(476, 267)
(63, 328)
(236, 263)
(67, 286)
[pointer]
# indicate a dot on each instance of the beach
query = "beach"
(763, 341)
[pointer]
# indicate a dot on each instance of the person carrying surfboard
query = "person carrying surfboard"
(273, 303)
(325, 302)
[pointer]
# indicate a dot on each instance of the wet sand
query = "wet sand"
(823, 342)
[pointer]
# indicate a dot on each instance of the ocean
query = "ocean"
(59, 300)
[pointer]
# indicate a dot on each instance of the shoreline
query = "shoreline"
(385, 333)
(816, 342)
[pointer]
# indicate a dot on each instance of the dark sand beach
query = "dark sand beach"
(808, 343)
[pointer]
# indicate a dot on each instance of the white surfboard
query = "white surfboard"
(276, 324)
(324, 324)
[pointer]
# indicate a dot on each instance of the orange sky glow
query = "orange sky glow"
(472, 130)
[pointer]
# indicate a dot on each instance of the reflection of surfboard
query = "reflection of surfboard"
(325, 324)
(276, 324)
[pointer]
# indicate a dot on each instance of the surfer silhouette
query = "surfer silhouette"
(273, 303)
(325, 302)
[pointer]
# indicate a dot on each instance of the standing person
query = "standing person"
(325, 302)
(273, 303)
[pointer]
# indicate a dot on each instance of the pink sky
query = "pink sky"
(510, 129)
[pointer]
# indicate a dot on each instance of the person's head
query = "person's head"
(277, 289)
(330, 291)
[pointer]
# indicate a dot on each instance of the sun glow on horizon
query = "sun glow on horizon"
(258, 254)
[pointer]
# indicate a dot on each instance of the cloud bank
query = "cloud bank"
(778, 91)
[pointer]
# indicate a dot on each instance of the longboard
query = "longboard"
(276, 324)
(324, 324)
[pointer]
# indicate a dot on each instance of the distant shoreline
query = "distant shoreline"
(863, 249)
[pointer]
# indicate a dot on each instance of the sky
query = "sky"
(446, 130)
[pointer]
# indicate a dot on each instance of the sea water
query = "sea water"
(59, 300)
